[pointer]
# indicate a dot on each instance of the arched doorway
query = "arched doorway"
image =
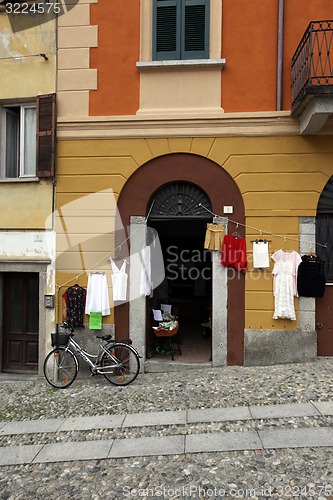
(179, 215)
(324, 236)
(220, 189)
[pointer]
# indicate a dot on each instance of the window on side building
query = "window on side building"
(19, 141)
(180, 29)
(27, 138)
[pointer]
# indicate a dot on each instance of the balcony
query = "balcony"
(312, 77)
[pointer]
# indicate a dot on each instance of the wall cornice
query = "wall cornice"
(231, 124)
(224, 125)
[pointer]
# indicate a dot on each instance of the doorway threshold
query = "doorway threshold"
(165, 366)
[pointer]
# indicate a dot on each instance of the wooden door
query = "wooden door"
(20, 322)
(324, 322)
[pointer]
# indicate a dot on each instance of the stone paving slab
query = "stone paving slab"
(218, 414)
(284, 411)
(297, 438)
(63, 452)
(141, 447)
(155, 418)
(18, 455)
(325, 407)
(96, 422)
(31, 426)
(224, 441)
(168, 445)
(182, 417)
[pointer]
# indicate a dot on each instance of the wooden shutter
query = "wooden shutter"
(166, 29)
(46, 135)
(195, 29)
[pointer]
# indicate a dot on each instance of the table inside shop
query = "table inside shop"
(171, 336)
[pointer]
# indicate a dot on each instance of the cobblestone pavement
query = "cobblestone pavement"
(256, 474)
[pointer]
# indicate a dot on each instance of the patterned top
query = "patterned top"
(75, 298)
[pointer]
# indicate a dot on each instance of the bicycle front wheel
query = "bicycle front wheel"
(120, 365)
(60, 368)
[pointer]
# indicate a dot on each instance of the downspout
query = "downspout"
(280, 57)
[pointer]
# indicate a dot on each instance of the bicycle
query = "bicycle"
(119, 362)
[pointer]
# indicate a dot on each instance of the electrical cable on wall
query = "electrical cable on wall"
(44, 56)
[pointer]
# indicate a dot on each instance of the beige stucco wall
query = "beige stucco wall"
(75, 78)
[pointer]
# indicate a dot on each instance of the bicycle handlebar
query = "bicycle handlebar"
(67, 327)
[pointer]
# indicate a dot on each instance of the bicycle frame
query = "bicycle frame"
(93, 360)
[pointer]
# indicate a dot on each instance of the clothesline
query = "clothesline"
(260, 230)
(95, 266)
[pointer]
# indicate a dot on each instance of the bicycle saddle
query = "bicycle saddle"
(104, 337)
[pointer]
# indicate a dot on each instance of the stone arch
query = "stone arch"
(221, 189)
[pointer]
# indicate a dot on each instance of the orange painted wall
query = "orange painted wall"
(249, 44)
(115, 57)
(297, 16)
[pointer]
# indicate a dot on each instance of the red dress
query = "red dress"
(234, 252)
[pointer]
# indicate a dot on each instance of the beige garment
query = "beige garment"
(214, 236)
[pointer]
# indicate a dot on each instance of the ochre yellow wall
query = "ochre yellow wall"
(26, 205)
(26, 76)
(280, 178)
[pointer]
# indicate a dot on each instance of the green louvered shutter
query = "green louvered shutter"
(180, 29)
(195, 29)
(166, 29)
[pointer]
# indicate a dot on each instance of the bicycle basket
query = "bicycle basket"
(59, 339)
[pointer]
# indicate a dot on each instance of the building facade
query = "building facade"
(175, 114)
(27, 157)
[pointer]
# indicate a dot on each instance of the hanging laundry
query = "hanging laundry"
(97, 294)
(119, 281)
(311, 278)
(234, 252)
(75, 299)
(156, 258)
(145, 281)
(260, 254)
(95, 321)
(285, 283)
(214, 236)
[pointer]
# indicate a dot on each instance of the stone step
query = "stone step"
(190, 416)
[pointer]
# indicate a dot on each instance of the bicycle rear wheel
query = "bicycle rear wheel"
(60, 368)
(120, 365)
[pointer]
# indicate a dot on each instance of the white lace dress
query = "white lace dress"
(285, 283)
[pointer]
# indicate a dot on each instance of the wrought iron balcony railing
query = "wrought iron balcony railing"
(312, 63)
